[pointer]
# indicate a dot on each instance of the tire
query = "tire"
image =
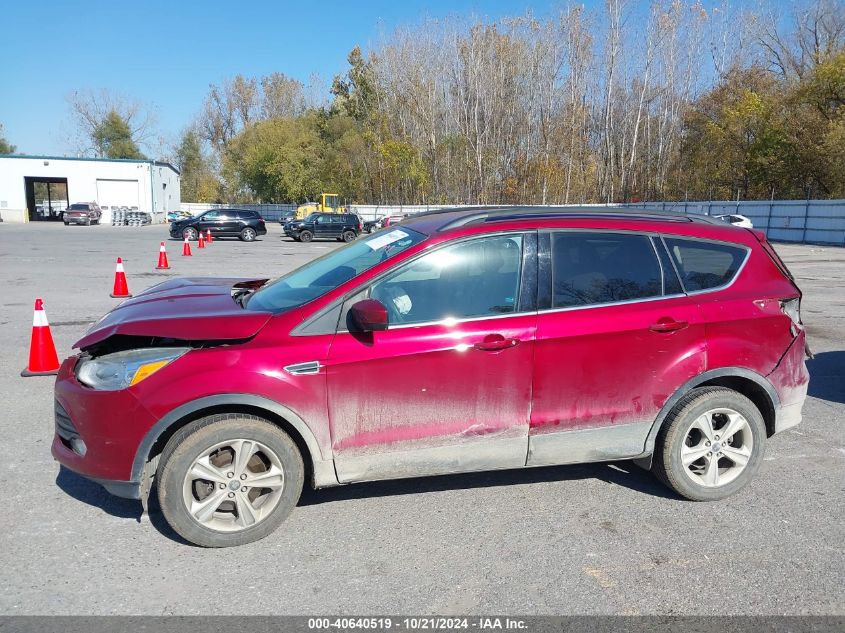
(190, 233)
(225, 527)
(349, 236)
(306, 236)
(67, 223)
(702, 413)
(248, 235)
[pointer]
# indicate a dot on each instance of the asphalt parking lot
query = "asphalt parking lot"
(601, 538)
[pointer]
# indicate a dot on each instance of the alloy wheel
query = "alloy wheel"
(233, 485)
(717, 447)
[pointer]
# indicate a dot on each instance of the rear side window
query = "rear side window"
(247, 215)
(596, 268)
(705, 265)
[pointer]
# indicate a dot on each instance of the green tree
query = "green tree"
(198, 181)
(278, 160)
(5, 146)
(736, 139)
(113, 138)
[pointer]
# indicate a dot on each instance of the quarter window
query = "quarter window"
(705, 265)
(471, 279)
(595, 268)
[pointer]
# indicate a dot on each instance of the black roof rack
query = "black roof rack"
(474, 215)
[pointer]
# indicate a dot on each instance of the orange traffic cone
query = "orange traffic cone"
(42, 351)
(162, 258)
(186, 249)
(200, 241)
(120, 288)
(208, 237)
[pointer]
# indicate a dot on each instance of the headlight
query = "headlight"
(124, 369)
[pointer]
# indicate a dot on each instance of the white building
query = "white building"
(145, 185)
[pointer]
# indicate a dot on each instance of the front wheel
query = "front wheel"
(306, 236)
(229, 479)
(711, 445)
(248, 235)
(189, 234)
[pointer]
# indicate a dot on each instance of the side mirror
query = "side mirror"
(370, 315)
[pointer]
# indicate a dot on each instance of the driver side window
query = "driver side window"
(475, 278)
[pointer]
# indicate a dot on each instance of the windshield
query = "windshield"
(322, 275)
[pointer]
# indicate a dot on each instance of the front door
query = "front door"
(617, 339)
(447, 387)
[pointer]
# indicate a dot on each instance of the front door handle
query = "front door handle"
(495, 343)
(668, 324)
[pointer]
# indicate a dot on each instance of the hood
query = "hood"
(193, 309)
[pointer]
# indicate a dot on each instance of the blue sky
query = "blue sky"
(167, 53)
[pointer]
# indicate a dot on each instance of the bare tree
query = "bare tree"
(818, 31)
(89, 109)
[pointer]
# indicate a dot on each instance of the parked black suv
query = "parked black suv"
(341, 226)
(223, 223)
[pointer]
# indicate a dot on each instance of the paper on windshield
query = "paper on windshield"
(388, 238)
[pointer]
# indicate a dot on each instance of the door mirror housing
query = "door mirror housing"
(370, 315)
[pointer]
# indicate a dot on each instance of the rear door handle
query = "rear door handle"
(668, 324)
(495, 343)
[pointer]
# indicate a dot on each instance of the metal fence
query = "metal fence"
(811, 221)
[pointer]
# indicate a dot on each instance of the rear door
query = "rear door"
(616, 337)
(231, 222)
(447, 388)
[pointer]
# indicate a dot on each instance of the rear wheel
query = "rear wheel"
(348, 236)
(67, 223)
(190, 233)
(711, 445)
(229, 479)
(248, 235)
(306, 236)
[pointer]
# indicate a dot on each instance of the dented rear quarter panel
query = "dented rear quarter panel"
(746, 326)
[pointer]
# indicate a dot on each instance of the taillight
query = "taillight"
(360, 227)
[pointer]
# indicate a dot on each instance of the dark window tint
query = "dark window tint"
(704, 265)
(470, 279)
(671, 283)
(593, 268)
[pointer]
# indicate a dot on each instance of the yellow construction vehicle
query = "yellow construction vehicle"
(329, 203)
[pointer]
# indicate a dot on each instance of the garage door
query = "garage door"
(117, 193)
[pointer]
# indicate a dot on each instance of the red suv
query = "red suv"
(456, 341)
